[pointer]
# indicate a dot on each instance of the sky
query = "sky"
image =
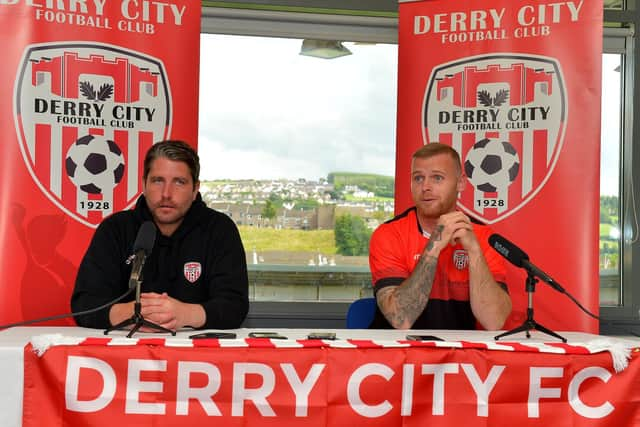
(610, 132)
(267, 112)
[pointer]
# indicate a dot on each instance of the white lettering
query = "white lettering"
(555, 7)
(201, 394)
(407, 389)
(72, 401)
(302, 388)
(124, 9)
(457, 21)
(74, 5)
(497, 17)
(439, 21)
(99, 6)
(527, 15)
(256, 382)
(421, 24)
(353, 390)
(79, 6)
(574, 393)
(536, 392)
(133, 9)
(524, 17)
(482, 389)
(439, 371)
(258, 395)
(479, 19)
(177, 14)
(135, 386)
(574, 10)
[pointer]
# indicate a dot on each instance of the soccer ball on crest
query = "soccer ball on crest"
(95, 164)
(492, 165)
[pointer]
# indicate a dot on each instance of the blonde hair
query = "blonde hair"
(436, 148)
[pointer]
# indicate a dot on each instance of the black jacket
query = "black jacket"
(205, 236)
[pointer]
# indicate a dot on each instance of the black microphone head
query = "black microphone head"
(146, 238)
(511, 252)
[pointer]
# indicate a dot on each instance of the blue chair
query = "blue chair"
(360, 313)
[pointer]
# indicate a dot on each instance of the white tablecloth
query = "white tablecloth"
(12, 344)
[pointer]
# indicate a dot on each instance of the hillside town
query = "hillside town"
(294, 204)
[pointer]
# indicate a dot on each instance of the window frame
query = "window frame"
(617, 320)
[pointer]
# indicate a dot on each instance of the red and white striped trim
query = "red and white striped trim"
(620, 349)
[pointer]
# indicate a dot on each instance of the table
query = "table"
(364, 377)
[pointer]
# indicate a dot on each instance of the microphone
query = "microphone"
(519, 258)
(142, 248)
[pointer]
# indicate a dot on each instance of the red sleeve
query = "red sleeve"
(386, 258)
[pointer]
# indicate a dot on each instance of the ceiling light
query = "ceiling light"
(327, 49)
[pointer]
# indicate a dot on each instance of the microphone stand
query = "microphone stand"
(530, 323)
(137, 320)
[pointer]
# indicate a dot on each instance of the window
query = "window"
(619, 301)
(299, 152)
(610, 228)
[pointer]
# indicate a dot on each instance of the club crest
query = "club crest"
(460, 259)
(506, 116)
(85, 114)
(192, 271)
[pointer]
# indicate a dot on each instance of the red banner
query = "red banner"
(504, 84)
(315, 385)
(88, 88)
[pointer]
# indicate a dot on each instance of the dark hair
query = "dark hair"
(436, 148)
(177, 151)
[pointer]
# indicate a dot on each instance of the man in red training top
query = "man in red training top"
(432, 267)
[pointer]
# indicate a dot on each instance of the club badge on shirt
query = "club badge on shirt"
(460, 259)
(192, 271)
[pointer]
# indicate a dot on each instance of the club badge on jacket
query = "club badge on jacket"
(192, 271)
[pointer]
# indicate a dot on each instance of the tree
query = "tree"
(352, 235)
(276, 200)
(269, 211)
(334, 194)
(305, 204)
(610, 205)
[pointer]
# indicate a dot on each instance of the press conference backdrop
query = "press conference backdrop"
(87, 89)
(504, 84)
(506, 80)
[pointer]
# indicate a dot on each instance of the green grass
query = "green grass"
(269, 239)
(350, 198)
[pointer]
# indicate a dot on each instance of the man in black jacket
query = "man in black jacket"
(196, 274)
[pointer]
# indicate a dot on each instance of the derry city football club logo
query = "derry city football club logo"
(506, 116)
(85, 114)
(192, 271)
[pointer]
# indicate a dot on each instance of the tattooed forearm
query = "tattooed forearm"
(436, 236)
(403, 304)
(413, 296)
